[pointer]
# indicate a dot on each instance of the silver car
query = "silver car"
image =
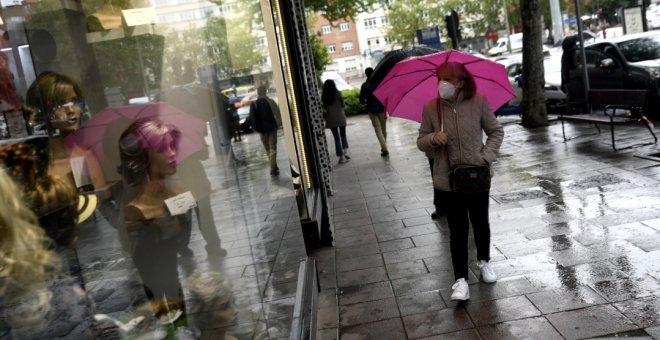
(555, 98)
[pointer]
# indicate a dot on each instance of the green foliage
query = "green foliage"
(352, 103)
(319, 53)
(339, 9)
(406, 16)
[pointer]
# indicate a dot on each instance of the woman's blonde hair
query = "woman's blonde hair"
(25, 258)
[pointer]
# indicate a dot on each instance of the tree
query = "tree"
(404, 17)
(339, 9)
(534, 109)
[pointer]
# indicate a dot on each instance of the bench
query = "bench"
(618, 107)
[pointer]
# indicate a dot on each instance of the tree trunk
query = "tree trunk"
(534, 109)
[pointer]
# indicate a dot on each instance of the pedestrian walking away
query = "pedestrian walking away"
(262, 117)
(376, 111)
(452, 127)
(335, 118)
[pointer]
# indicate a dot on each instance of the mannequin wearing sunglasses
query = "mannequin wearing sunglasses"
(59, 105)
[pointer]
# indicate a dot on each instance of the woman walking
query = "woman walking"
(335, 118)
(452, 131)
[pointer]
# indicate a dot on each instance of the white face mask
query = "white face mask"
(446, 89)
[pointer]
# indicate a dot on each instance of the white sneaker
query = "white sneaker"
(347, 154)
(342, 159)
(487, 272)
(461, 290)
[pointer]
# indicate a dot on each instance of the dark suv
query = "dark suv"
(626, 62)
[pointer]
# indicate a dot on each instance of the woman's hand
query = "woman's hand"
(439, 138)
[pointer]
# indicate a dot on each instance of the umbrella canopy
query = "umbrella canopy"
(393, 57)
(412, 82)
(101, 133)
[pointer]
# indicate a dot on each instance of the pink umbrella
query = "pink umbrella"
(412, 82)
(101, 133)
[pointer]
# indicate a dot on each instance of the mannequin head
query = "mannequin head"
(212, 302)
(58, 100)
(147, 150)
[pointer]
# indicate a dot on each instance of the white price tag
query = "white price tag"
(180, 204)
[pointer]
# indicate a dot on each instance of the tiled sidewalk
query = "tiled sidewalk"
(575, 242)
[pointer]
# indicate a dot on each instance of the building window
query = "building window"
(261, 42)
(344, 26)
(370, 23)
(384, 21)
(347, 46)
(326, 29)
(331, 48)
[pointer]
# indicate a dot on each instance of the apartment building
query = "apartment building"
(341, 40)
(372, 36)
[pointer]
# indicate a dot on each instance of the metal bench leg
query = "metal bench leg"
(612, 131)
(563, 133)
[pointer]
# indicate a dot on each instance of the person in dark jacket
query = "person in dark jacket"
(262, 117)
(335, 118)
(376, 111)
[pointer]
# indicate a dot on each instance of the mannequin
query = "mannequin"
(148, 160)
(212, 305)
(60, 105)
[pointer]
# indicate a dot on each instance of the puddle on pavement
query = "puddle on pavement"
(596, 181)
(520, 196)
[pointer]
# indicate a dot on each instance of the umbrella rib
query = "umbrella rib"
(495, 82)
(403, 75)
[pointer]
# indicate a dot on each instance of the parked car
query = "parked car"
(554, 97)
(501, 45)
(626, 62)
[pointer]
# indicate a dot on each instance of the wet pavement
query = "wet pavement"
(575, 241)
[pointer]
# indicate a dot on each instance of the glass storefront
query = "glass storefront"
(170, 167)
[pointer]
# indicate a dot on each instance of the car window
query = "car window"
(594, 57)
(641, 49)
(514, 70)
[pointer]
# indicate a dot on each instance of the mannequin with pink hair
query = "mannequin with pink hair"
(148, 150)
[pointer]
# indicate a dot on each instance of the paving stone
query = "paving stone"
(327, 334)
(532, 328)
(436, 322)
(366, 312)
(468, 334)
(503, 288)
(361, 276)
(405, 269)
(394, 245)
(644, 312)
(421, 302)
(391, 329)
(362, 262)
(421, 283)
(559, 300)
(366, 292)
(590, 322)
(507, 309)
(362, 250)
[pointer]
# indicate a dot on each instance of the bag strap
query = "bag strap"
(438, 107)
(442, 126)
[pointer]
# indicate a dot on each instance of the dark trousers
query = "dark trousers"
(341, 142)
(436, 192)
(461, 210)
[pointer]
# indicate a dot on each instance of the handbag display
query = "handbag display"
(466, 178)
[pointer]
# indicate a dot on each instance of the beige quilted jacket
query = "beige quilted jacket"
(465, 124)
